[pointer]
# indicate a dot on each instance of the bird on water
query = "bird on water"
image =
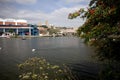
(33, 50)
(0, 48)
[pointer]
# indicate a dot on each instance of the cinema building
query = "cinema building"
(19, 27)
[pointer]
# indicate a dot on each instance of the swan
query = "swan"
(0, 48)
(33, 50)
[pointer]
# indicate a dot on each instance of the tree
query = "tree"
(102, 27)
(39, 69)
(102, 30)
(53, 31)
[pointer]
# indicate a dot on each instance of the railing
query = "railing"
(14, 25)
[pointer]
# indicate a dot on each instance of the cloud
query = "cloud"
(26, 1)
(4, 1)
(58, 17)
(77, 1)
(19, 1)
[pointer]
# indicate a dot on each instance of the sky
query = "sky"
(38, 11)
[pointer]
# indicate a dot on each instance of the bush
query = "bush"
(39, 69)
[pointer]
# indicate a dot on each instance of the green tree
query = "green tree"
(102, 30)
(102, 27)
(53, 31)
(39, 69)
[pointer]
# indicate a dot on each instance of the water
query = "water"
(58, 50)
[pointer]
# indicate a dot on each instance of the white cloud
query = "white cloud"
(19, 1)
(59, 17)
(74, 0)
(26, 1)
(77, 1)
(5, 0)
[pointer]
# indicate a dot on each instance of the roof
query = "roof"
(13, 20)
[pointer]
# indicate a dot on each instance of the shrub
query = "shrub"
(39, 69)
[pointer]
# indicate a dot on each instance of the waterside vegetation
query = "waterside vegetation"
(102, 31)
(39, 69)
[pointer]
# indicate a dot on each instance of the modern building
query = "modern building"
(18, 26)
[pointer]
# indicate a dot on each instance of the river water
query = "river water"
(57, 50)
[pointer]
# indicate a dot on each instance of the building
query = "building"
(43, 30)
(68, 31)
(35, 30)
(17, 26)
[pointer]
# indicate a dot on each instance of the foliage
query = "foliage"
(102, 27)
(110, 72)
(53, 31)
(102, 30)
(44, 26)
(39, 69)
(11, 30)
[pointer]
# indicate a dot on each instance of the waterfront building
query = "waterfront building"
(35, 30)
(17, 26)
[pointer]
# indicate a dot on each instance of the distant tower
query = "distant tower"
(39, 24)
(46, 22)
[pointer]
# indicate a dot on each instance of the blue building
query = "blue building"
(19, 27)
(34, 30)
